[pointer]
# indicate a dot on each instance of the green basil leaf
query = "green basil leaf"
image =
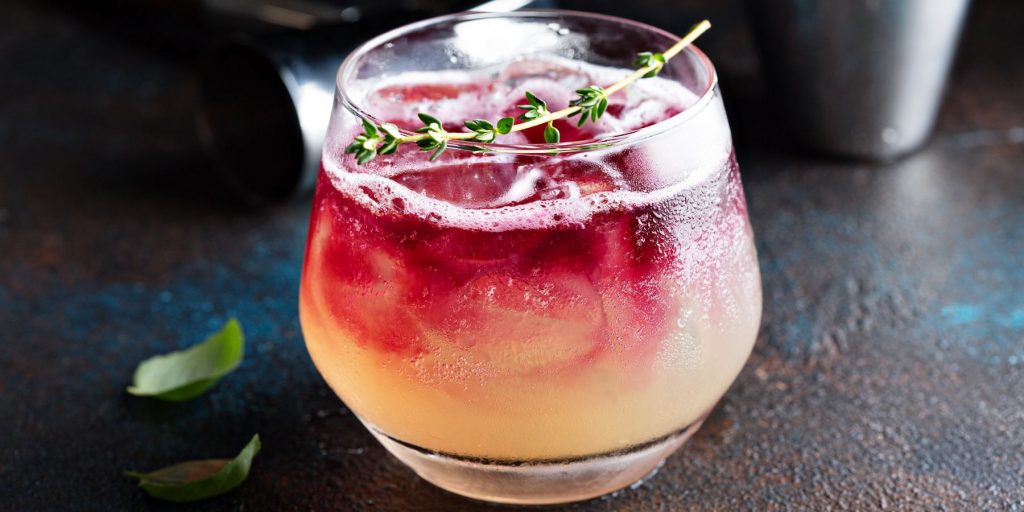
(186, 374)
(199, 479)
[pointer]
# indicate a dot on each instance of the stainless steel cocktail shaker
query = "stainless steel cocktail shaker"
(858, 78)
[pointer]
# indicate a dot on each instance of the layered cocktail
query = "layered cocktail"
(521, 321)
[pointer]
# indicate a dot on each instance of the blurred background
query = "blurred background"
(887, 371)
(237, 59)
(862, 80)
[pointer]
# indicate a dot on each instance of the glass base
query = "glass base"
(538, 482)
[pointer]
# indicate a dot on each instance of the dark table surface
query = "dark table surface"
(888, 372)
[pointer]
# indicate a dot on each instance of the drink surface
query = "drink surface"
(529, 307)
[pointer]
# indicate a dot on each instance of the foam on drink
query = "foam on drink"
(461, 95)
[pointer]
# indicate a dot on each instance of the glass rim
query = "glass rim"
(348, 68)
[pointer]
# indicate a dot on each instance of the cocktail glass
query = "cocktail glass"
(522, 322)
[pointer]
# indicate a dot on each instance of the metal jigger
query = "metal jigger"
(266, 101)
(858, 78)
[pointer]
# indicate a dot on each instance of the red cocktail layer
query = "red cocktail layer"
(593, 284)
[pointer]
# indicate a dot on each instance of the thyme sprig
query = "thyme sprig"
(436, 137)
(591, 103)
(644, 59)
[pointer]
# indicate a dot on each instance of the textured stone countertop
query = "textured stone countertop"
(889, 372)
